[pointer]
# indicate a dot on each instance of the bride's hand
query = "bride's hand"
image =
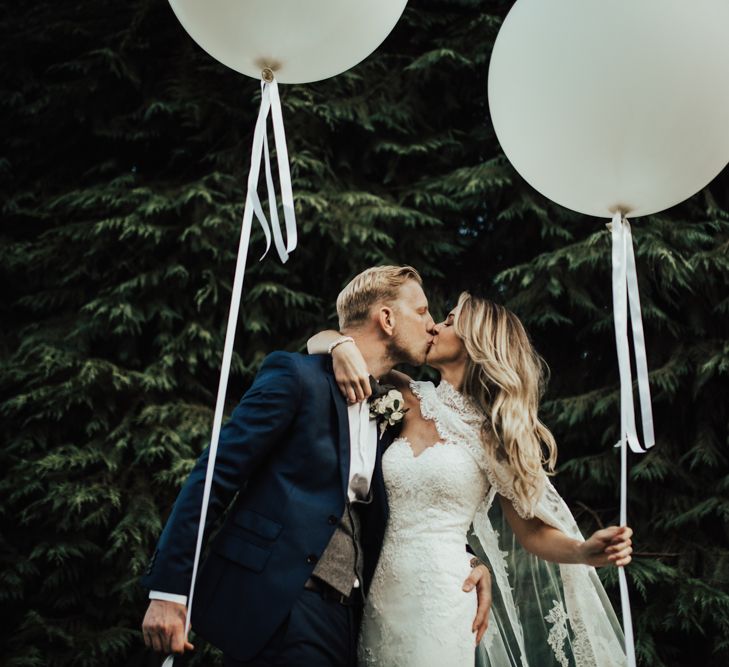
(350, 372)
(609, 546)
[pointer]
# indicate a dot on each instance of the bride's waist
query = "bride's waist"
(407, 538)
(402, 559)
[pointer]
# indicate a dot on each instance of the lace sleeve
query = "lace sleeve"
(503, 478)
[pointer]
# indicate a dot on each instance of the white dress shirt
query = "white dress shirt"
(362, 456)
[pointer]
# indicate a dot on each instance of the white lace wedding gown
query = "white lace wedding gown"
(416, 613)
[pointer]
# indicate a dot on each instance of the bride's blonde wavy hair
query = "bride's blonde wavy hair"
(505, 378)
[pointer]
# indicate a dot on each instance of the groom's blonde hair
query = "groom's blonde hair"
(378, 284)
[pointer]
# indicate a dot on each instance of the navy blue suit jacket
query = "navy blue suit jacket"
(283, 463)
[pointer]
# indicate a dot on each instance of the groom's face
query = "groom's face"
(413, 331)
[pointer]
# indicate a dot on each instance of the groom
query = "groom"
(300, 474)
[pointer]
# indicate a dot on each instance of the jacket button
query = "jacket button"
(311, 559)
(332, 520)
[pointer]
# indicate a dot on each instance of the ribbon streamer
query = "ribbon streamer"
(626, 299)
(270, 103)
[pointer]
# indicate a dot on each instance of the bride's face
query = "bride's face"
(447, 347)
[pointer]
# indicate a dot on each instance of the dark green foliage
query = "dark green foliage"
(124, 153)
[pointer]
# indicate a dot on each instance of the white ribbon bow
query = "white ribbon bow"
(626, 297)
(270, 103)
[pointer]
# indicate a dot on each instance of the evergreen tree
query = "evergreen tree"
(123, 165)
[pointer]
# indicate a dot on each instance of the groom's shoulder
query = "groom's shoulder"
(302, 364)
(307, 372)
(312, 366)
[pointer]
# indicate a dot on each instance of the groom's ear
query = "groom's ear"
(386, 318)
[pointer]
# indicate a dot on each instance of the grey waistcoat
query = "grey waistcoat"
(342, 561)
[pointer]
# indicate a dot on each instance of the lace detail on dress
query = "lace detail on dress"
(453, 416)
(457, 419)
(557, 617)
(451, 398)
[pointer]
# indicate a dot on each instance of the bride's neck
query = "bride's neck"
(453, 374)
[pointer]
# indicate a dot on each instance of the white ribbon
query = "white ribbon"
(626, 298)
(270, 103)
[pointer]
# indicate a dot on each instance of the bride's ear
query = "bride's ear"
(387, 320)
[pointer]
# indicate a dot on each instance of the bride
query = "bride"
(473, 438)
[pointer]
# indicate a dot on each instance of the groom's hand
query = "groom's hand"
(164, 627)
(480, 578)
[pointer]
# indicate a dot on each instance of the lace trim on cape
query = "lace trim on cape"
(557, 618)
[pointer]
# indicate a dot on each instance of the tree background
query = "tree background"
(124, 155)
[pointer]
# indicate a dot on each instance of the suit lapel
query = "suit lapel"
(382, 436)
(385, 438)
(343, 439)
(378, 482)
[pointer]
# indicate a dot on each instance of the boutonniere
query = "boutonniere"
(389, 407)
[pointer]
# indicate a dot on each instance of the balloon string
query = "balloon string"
(259, 151)
(626, 299)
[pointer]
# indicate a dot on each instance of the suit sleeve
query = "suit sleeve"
(253, 431)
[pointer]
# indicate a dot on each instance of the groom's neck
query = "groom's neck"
(373, 350)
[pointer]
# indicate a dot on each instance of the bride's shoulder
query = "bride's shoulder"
(404, 382)
(399, 380)
(410, 389)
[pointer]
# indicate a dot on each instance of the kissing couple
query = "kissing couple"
(366, 531)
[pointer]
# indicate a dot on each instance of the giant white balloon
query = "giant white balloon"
(300, 40)
(617, 105)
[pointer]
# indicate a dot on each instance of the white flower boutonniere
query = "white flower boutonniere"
(389, 407)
